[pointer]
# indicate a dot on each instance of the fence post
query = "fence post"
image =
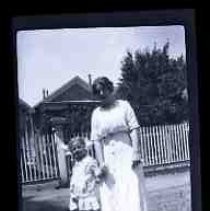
(169, 141)
(62, 161)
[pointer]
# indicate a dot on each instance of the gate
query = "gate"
(38, 158)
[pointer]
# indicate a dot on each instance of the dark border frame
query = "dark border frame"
(185, 17)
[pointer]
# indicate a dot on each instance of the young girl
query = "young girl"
(85, 179)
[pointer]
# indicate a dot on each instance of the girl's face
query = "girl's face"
(78, 151)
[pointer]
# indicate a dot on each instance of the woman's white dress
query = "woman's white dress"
(123, 190)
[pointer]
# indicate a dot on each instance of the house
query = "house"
(25, 117)
(74, 90)
(70, 106)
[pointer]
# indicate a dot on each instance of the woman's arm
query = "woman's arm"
(136, 148)
(98, 148)
(133, 125)
(135, 144)
(99, 153)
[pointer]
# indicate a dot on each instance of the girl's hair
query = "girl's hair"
(103, 83)
(77, 141)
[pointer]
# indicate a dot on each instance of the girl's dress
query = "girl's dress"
(124, 187)
(84, 193)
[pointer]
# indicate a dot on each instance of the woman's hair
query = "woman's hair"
(103, 83)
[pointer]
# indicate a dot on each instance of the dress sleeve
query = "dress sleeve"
(130, 117)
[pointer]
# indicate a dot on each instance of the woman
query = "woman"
(114, 132)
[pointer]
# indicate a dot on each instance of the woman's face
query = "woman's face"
(102, 93)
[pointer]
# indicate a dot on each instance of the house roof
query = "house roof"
(23, 103)
(76, 80)
(25, 106)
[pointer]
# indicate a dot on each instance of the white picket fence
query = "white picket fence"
(164, 144)
(159, 145)
(38, 158)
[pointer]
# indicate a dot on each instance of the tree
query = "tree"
(154, 84)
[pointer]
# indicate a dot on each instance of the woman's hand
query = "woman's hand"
(107, 177)
(104, 170)
(75, 199)
(102, 173)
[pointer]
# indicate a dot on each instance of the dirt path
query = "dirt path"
(169, 192)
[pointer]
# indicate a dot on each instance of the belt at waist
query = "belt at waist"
(122, 136)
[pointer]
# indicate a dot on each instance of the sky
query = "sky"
(49, 58)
